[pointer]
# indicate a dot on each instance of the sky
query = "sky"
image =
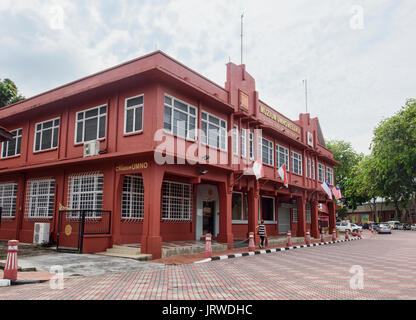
(359, 57)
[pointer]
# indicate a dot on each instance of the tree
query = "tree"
(9, 93)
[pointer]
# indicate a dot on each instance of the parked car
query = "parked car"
(406, 227)
(344, 225)
(413, 227)
(384, 228)
(366, 226)
(394, 224)
(356, 227)
(400, 226)
(374, 226)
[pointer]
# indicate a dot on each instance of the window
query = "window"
(214, 131)
(296, 163)
(132, 206)
(329, 176)
(282, 156)
(313, 169)
(8, 196)
(243, 142)
(321, 172)
(176, 201)
(12, 148)
(134, 114)
(308, 213)
(309, 168)
(235, 140)
(294, 215)
(179, 118)
(267, 208)
(251, 145)
(267, 152)
(41, 197)
(90, 124)
(237, 206)
(46, 135)
(86, 193)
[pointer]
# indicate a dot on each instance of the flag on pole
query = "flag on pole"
(327, 190)
(258, 169)
(283, 174)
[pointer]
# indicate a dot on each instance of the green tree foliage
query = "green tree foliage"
(9, 93)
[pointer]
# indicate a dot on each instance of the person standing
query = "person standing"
(262, 232)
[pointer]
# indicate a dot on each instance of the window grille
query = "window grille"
(294, 215)
(176, 201)
(40, 198)
(132, 198)
(8, 196)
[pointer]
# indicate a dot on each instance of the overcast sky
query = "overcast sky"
(359, 56)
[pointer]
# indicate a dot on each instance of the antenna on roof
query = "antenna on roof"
(305, 82)
(242, 34)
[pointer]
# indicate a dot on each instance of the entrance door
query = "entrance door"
(284, 219)
(208, 223)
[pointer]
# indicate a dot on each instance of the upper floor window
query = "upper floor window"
(214, 131)
(267, 152)
(296, 163)
(180, 118)
(90, 124)
(235, 140)
(12, 148)
(46, 135)
(251, 145)
(329, 176)
(8, 196)
(313, 169)
(243, 142)
(309, 168)
(321, 172)
(133, 114)
(282, 156)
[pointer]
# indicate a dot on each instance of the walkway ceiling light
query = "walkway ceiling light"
(203, 172)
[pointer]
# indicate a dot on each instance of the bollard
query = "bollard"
(308, 237)
(251, 244)
(10, 269)
(322, 236)
(334, 235)
(289, 239)
(208, 247)
(360, 233)
(347, 236)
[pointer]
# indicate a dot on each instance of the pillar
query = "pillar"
(301, 205)
(226, 233)
(253, 213)
(332, 216)
(151, 239)
(314, 219)
(118, 191)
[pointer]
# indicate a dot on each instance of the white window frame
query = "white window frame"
(251, 145)
(188, 115)
(270, 146)
(321, 169)
(329, 176)
(98, 116)
(274, 211)
(126, 109)
(297, 157)
(235, 140)
(41, 134)
(132, 205)
(313, 169)
(309, 168)
(5, 144)
(222, 131)
(95, 192)
(243, 134)
(11, 212)
(282, 153)
(33, 199)
(186, 216)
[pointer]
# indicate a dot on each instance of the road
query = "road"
(386, 264)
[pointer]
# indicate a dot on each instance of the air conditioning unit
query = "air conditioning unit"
(41, 233)
(91, 148)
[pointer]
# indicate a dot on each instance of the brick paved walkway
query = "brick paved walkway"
(388, 261)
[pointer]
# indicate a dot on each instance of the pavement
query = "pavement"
(384, 265)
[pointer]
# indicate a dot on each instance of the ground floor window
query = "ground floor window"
(176, 201)
(308, 213)
(40, 198)
(132, 198)
(237, 206)
(294, 215)
(8, 196)
(267, 208)
(86, 193)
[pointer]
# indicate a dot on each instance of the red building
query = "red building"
(156, 103)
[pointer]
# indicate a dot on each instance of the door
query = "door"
(284, 220)
(208, 222)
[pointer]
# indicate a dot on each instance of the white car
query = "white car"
(384, 228)
(413, 227)
(356, 228)
(343, 226)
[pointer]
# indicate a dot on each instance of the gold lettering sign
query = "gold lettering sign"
(243, 101)
(278, 119)
(135, 166)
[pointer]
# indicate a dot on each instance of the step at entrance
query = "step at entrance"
(126, 252)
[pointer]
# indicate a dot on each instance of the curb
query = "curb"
(252, 253)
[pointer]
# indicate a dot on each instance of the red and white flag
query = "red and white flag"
(258, 169)
(283, 174)
(336, 192)
(327, 190)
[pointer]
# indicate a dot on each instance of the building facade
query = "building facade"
(174, 160)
